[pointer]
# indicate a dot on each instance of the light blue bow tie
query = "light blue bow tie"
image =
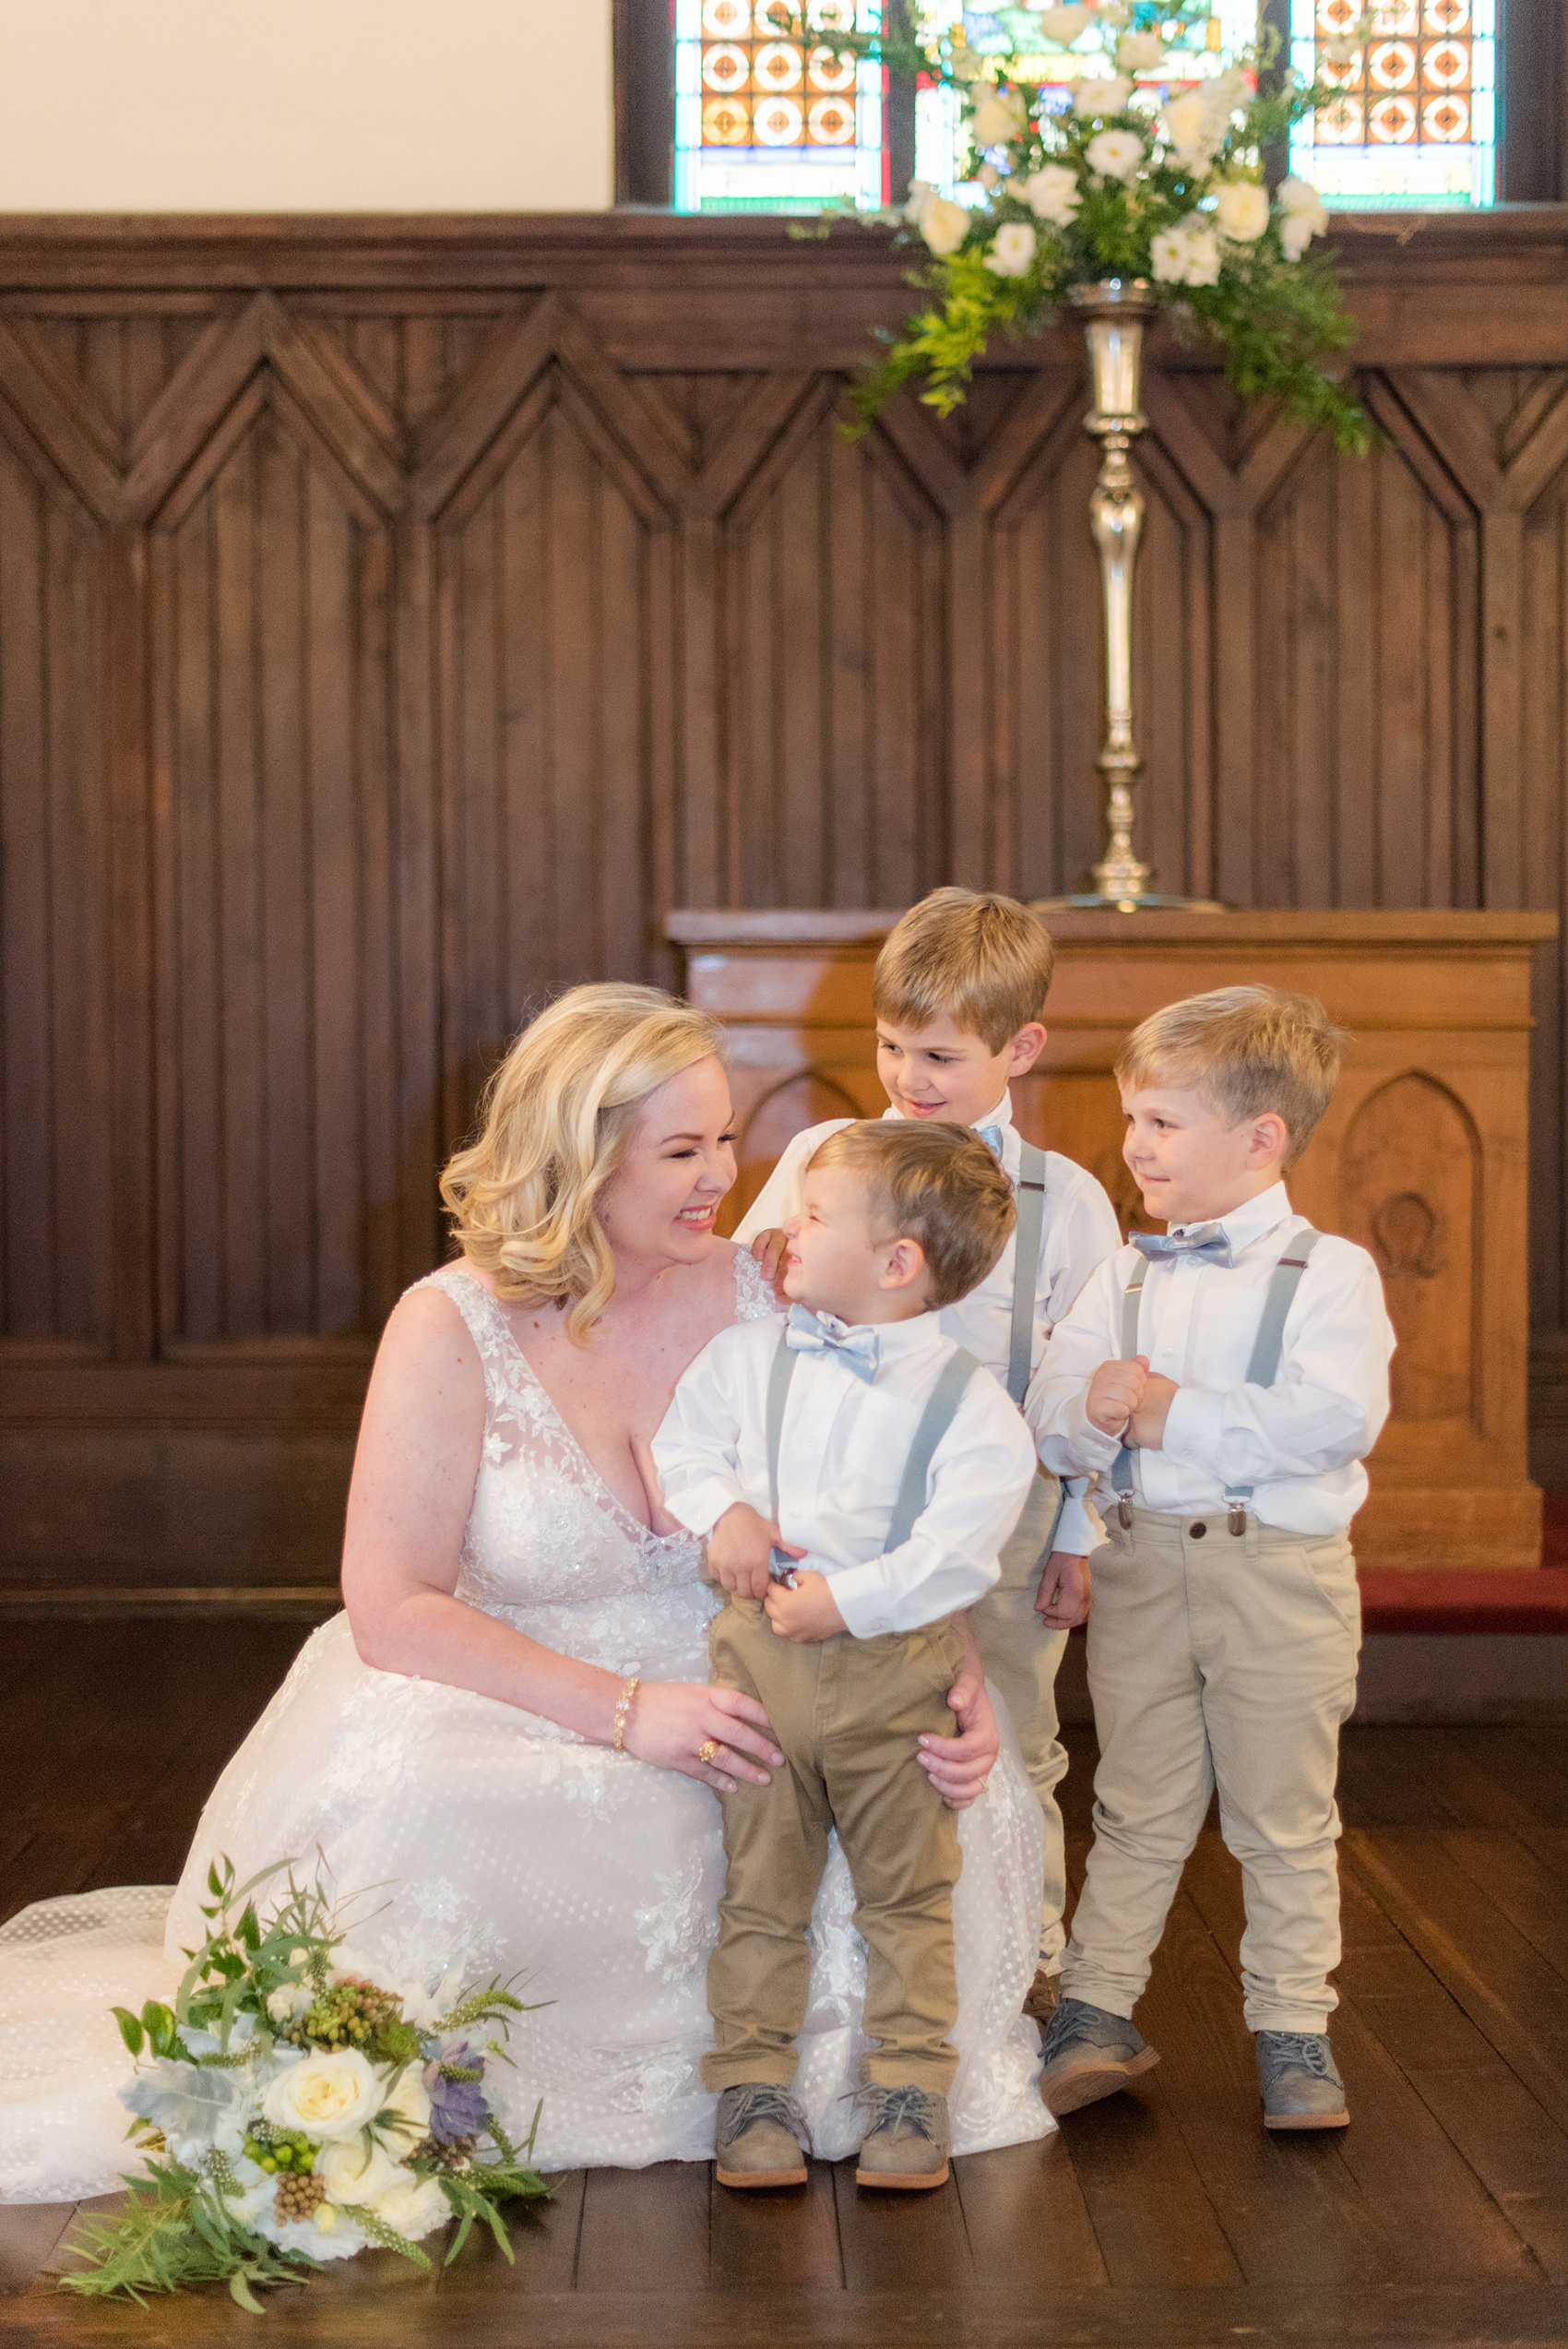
(991, 1136)
(1209, 1243)
(824, 1333)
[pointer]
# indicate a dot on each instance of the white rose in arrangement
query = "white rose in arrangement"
(1051, 194)
(413, 2206)
(350, 2174)
(1305, 215)
(943, 223)
(329, 2097)
(294, 1999)
(1136, 52)
(1115, 154)
(1012, 250)
(1195, 121)
(1063, 25)
(411, 2101)
(1187, 254)
(1240, 211)
(1000, 117)
(1106, 96)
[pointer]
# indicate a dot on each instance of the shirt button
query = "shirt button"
(1198, 1530)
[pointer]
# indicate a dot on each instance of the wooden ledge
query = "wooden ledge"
(1461, 930)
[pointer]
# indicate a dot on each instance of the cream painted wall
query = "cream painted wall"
(305, 105)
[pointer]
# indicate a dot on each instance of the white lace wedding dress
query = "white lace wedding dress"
(489, 1837)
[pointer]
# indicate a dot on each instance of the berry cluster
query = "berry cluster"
(457, 2153)
(292, 2155)
(350, 2013)
(298, 2200)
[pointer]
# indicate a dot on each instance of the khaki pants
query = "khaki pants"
(1219, 1659)
(846, 1713)
(1022, 1655)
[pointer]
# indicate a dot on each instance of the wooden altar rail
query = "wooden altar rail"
(398, 617)
(1422, 1156)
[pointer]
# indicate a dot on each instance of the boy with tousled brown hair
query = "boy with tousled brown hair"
(1223, 1382)
(959, 994)
(856, 1474)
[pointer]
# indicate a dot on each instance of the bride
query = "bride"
(447, 1742)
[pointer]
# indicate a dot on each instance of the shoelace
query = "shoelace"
(766, 2102)
(891, 2106)
(1073, 2019)
(1297, 2051)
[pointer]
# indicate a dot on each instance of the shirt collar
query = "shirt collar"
(896, 1340)
(1252, 1220)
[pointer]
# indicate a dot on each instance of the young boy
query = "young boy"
(859, 1440)
(1223, 1384)
(959, 991)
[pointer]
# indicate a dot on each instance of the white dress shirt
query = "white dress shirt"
(1300, 1443)
(841, 1456)
(1078, 1231)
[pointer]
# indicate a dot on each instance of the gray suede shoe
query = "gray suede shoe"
(1088, 2053)
(1300, 2083)
(907, 2142)
(758, 2136)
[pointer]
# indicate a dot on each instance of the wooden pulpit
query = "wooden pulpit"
(1421, 1157)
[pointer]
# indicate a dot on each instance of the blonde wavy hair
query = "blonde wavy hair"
(558, 1116)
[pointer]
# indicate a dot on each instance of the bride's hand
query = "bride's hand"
(671, 1719)
(960, 1766)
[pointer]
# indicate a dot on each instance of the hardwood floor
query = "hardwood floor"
(1166, 2216)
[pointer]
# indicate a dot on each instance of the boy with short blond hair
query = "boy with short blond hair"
(856, 1475)
(1223, 1382)
(959, 993)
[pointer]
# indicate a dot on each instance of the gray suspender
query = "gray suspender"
(933, 1425)
(1030, 1194)
(1263, 1366)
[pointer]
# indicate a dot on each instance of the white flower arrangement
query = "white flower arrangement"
(290, 2110)
(1154, 174)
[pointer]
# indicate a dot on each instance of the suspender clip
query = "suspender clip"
(1236, 1518)
(1124, 1514)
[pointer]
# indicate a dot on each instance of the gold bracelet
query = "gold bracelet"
(622, 1711)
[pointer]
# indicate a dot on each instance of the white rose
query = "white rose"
(413, 2206)
(1115, 154)
(1012, 250)
(1136, 52)
(350, 2174)
(1106, 96)
(294, 1999)
(1052, 192)
(1240, 211)
(326, 2096)
(411, 2101)
(1187, 254)
(1195, 121)
(943, 223)
(1305, 215)
(1063, 25)
(1000, 117)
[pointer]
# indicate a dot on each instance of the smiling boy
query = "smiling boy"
(959, 993)
(1224, 1383)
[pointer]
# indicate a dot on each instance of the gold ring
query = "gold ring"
(708, 1751)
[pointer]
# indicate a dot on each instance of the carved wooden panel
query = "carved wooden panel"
(397, 619)
(1409, 1191)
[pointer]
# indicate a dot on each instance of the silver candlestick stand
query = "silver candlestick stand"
(1112, 313)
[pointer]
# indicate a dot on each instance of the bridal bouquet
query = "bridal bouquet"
(1155, 173)
(290, 2109)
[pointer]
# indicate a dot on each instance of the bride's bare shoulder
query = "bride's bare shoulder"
(429, 1335)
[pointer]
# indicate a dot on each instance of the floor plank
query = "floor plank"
(908, 2243)
(645, 2230)
(1027, 2219)
(787, 2241)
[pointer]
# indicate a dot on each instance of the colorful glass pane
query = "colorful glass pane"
(1415, 120)
(943, 155)
(767, 118)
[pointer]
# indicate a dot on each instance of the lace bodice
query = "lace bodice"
(547, 1545)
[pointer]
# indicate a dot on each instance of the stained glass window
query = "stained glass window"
(1415, 122)
(769, 120)
(943, 156)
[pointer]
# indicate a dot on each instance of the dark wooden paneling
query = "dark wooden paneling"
(398, 617)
